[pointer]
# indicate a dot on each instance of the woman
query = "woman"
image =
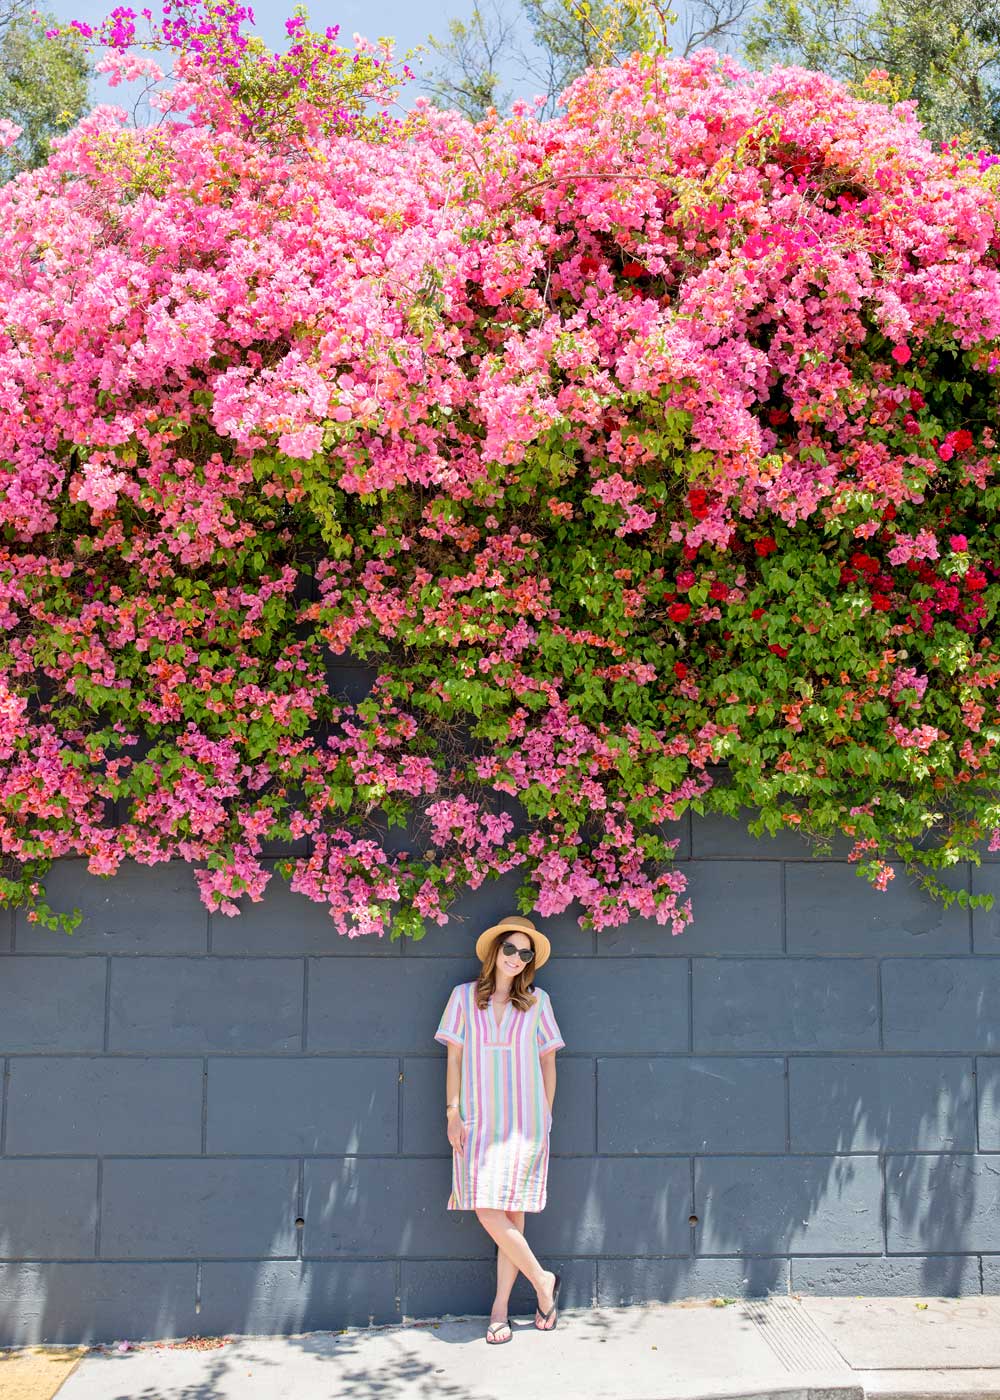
(502, 1040)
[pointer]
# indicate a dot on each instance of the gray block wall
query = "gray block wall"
(235, 1125)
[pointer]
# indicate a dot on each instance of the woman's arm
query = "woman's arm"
(548, 1062)
(453, 1091)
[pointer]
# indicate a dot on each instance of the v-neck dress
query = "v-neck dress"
(505, 1164)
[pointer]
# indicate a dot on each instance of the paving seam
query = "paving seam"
(794, 1338)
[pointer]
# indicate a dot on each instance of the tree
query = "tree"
(468, 77)
(551, 42)
(945, 55)
(43, 84)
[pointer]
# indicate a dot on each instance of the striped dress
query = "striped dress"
(505, 1164)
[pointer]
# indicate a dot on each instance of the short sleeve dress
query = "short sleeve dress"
(505, 1164)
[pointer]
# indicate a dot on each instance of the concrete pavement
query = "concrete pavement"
(785, 1348)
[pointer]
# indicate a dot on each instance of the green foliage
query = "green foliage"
(43, 84)
(944, 55)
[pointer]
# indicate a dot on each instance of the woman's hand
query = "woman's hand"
(456, 1131)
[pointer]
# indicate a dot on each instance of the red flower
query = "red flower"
(975, 580)
(588, 266)
(917, 400)
(679, 612)
(890, 512)
(865, 563)
(778, 649)
(847, 575)
(680, 670)
(633, 269)
(777, 416)
(880, 602)
(901, 354)
(690, 551)
(961, 440)
(757, 613)
(765, 546)
(719, 591)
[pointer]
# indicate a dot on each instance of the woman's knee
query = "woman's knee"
(487, 1215)
(516, 1218)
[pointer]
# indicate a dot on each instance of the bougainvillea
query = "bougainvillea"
(644, 456)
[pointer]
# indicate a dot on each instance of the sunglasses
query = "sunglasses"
(525, 954)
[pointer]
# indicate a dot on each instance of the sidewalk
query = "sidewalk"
(787, 1348)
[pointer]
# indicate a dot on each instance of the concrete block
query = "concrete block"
(302, 1106)
(943, 1275)
(991, 1272)
(624, 1282)
(431, 1288)
(380, 1005)
(878, 1103)
(287, 925)
(941, 1003)
(615, 1205)
(736, 906)
(104, 1106)
(141, 909)
(988, 1086)
(52, 1005)
(788, 1205)
(785, 1004)
(49, 1208)
(59, 1304)
(944, 1203)
(272, 1297)
(715, 836)
(639, 1006)
(717, 1104)
(986, 922)
(423, 1106)
(831, 910)
(377, 1207)
(206, 1005)
(6, 931)
(199, 1208)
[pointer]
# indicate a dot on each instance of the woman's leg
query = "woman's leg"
(510, 1241)
(506, 1275)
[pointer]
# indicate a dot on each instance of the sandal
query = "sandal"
(552, 1311)
(495, 1327)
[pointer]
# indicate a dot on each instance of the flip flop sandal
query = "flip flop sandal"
(552, 1311)
(495, 1327)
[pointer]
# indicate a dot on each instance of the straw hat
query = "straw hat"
(517, 924)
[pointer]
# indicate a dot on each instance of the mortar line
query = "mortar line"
(13, 932)
(597, 1135)
(690, 963)
(975, 1099)
(880, 1004)
(982, 1285)
(305, 1005)
(208, 932)
(782, 909)
(400, 1091)
(970, 912)
(197, 1286)
(788, 1105)
(204, 1106)
(3, 1106)
(883, 1164)
(107, 1005)
(100, 1207)
(300, 1211)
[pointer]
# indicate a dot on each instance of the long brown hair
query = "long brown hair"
(521, 995)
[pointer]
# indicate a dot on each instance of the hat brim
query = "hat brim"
(543, 948)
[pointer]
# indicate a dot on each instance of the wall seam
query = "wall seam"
(783, 909)
(305, 1004)
(204, 1106)
(107, 1005)
(3, 1106)
(100, 1207)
